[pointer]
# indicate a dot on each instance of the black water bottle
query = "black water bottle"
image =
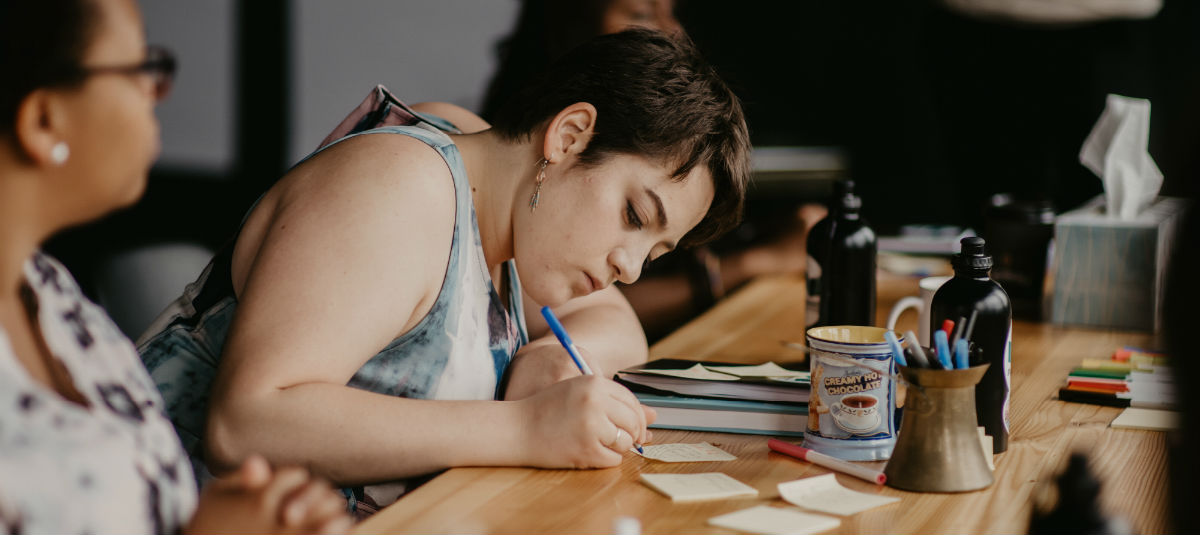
(817, 247)
(972, 290)
(847, 284)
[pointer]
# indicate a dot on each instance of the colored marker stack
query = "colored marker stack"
(951, 346)
(1131, 378)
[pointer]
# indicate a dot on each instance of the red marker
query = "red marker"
(948, 326)
(832, 463)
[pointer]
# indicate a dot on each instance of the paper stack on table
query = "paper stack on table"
(698, 487)
(775, 521)
(686, 453)
(824, 494)
(821, 493)
(1146, 419)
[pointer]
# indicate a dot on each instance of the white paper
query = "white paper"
(698, 487)
(769, 369)
(985, 442)
(823, 493)
(1147, 419)
(686, 453)
(1116, 151)
(775, 521)
(695, 372)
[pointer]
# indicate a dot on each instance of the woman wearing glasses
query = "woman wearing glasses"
(84, 444)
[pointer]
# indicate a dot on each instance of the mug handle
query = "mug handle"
(903, 304)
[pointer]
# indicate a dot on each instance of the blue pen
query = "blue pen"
(960, 354)
(897, 352)
(565, 340)
(941, 341)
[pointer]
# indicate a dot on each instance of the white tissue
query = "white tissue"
(1116, 151)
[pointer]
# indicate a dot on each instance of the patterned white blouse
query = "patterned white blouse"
(114, 466)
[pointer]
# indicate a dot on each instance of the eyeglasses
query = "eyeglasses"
(159, 65)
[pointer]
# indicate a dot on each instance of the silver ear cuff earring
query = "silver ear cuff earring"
(537, 187)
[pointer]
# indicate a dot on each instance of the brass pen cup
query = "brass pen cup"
(938, 448)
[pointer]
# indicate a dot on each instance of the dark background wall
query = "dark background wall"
(935, 110)
(938, 110)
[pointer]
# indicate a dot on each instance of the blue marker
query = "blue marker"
(942, 343)
(960, 354)
(565, 340)
(897, 352)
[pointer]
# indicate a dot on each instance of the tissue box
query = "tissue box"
(1110, 272)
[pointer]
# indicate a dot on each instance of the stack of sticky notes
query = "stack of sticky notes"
(1131, 378)
(811, 497)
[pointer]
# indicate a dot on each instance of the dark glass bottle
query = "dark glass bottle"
(817, 247)
(843, 249)
(973, 290)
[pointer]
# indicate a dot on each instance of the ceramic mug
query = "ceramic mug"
(929, 286)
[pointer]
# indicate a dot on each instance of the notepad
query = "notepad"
(769, 369)
(775, 521)
(686, 453)
(698, 487)
(1147, 419)
(697, 371)
(823, 493)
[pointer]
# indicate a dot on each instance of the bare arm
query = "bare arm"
(332, 280)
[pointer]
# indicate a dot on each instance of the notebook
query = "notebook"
(726, 416)
(720, 380)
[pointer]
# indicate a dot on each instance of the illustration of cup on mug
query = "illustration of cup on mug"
(857, 413)
(929, 286)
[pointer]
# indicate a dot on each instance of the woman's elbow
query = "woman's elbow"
(226, 445)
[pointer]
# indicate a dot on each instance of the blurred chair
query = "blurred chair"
(136, 284)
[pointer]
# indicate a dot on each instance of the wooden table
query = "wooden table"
(747, 327)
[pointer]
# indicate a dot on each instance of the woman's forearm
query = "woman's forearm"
(354, 437)
(610, 331)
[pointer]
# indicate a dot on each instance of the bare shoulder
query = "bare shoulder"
(355, 215)
(398, 175)
(461, 117)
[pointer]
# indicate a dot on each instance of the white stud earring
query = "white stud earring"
(60, 152)
(537, 187)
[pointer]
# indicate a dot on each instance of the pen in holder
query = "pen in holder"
(937, 449)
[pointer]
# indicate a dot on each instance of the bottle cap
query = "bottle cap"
(850, 203)
(972, 255)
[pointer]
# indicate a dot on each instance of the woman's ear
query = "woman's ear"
(569, 132)
(38, 126)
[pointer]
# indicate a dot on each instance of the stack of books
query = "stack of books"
(1131, 378)
(766, 399)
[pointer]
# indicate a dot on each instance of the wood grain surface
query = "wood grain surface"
(748, 327)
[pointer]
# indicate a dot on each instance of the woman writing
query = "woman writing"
(371, 305)
(84, 446)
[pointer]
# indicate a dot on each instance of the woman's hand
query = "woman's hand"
(583, 422)
(256, 500)
(542, 363)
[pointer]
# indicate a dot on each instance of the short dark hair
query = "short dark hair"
(655, 96)
(42, 44)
